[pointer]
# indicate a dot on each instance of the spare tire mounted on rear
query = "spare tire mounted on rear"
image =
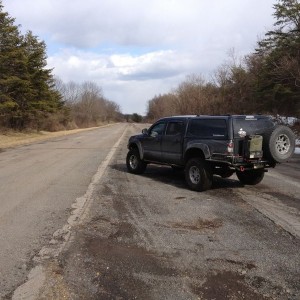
(279, 144)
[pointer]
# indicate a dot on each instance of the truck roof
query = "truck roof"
(248, 117)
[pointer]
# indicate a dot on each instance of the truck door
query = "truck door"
(152, 143)
(172, 141)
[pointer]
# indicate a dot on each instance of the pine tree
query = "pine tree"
(14, 81)
(45, 97)
(27, 92)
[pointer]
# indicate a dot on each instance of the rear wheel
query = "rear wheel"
(198, 175)
(251, 177)
(134, 163)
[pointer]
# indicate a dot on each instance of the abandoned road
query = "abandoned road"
(142, 236)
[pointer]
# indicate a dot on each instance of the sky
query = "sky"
(137, 49)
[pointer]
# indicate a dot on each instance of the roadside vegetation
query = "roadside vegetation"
(86, 104)
(266, 81)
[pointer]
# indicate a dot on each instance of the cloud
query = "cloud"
(163, 23)
(125, 78)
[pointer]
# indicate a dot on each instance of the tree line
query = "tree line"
(86, 103)
(30, 96)
(266, 81)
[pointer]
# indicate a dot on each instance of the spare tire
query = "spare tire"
(279, 144)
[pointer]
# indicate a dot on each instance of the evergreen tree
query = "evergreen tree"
(14, 80)
(45, 97)
(27, 93)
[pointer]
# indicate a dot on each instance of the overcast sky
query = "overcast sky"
(136, 49)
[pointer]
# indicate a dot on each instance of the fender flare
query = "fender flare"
(198, 146)
(137, 144)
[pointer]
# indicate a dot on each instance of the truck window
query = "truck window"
(251, 125)
(208, 128)
(157, 129)
(174, 128)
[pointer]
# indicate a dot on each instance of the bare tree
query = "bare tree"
(87, 104)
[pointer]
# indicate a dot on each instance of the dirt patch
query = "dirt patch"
(248, 266)
(226, 285)
(199, 224)
(55, 286)
(116, 264)
(125, 230)
(110, 269)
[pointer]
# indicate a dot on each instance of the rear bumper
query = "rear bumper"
(238, 163)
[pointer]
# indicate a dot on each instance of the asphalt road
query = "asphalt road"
(148, 236)
(38, 184)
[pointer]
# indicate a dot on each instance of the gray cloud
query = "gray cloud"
(142, 23)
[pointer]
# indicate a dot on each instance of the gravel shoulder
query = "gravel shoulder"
(149, 237)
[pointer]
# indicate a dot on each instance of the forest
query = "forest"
(266, 81)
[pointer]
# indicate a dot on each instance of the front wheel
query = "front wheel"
(198, 175)
(251, 177)
(134, 163)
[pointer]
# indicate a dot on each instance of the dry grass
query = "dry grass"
(12, 139)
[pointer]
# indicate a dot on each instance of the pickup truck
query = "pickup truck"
(204, 146)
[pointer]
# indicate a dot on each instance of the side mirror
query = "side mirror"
(154, 134)
(145, 131)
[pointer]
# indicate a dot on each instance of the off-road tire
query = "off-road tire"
(279, 144)
(251, 177)
(134, 163)
(198, 175)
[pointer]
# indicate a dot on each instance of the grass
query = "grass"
(12, 138)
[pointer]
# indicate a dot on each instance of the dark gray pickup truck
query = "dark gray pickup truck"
(206, 145)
